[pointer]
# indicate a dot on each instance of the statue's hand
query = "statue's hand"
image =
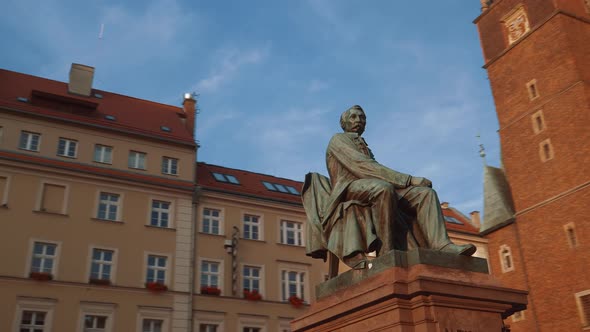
(420, 182)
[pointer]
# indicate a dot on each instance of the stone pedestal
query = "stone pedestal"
(415, 291)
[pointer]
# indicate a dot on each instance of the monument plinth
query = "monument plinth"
(415, 291)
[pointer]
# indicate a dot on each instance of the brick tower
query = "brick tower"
(537, 207)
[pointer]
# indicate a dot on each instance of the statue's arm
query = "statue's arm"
(344, 150)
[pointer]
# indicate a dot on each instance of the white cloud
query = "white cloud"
(231, 61)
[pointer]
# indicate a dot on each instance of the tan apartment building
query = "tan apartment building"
(260, 220)
(96, 202)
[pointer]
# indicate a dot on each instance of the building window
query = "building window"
(108, 206)
(531, 87)
(102, 265)
(516, 24)
(506, 261)
(53, 198)
(546, 150)
(103, 154)
(251, 227)
(210, 274)
(67, 148)
(251, 325)
(292, 284)
(280, 188)
(96, 317)
(152, 325)
(212, 221)
(252, 278)
(160, 215)
(95, 323)
(570, 233)
(29, 141)
(291, 233)
(44, 258)
(136, 160)
(32, 321)
(170, 166)
(156, 269)
(208, 327)
(4, 185)
(34, 314)
(583, 302)
(538, 122)
(225, 178)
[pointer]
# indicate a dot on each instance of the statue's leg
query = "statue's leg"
(429, 216)
(381, 197)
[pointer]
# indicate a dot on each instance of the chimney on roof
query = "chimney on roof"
(475, 219)
(189, 106)
(81, 77)
(444, 205)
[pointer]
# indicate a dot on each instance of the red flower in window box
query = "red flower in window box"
(102, 282)
(210, 290)
(295, 301)
(156, 286)
(41, 276)
(252, 295)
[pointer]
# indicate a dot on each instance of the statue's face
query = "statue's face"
(356, 122)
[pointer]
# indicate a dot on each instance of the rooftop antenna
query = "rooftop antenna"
(482, 150)
(101, 32)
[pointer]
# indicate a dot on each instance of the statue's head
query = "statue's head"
(353, 120)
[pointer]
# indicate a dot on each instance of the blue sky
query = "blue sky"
(274, 76)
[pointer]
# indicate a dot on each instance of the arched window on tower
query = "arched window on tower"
(506, 261)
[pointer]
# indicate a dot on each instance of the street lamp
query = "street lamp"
(231, 247)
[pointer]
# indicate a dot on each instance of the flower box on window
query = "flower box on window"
(41, 276)
(156, 286)
(210, 290)
(102, 282)
(295, 301)
(252, 295)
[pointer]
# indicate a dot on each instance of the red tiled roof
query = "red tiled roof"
(250, 183)
(466, 226)
(132, 115)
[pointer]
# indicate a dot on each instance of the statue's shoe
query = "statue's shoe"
(459, 249)
(357, 262)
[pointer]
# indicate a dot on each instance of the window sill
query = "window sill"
(69, 157)
(102, 162)
(169, 174)
(137, 169)
(162, 228)
(37, 151)
(253, 240)
(52, 213)
(108, 221)
(291, 245)
(203, 233)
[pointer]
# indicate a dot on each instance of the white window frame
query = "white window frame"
(134, 162)
(244, 322)
(167, 163)
(55, 267)
(39, 201)
(67, 144)
(103, 149)
(579, 295)
(284, 326)
(25, 303)
(156, 313)
(209, 318)
(261, 279)
(298, 268)
(119, 204)
(97, 309)
(259, 224)
(283, 232)
(167, 269)
(113, 276)
(503, 255)
(29, 141)
(220, 219)
(219, 273)
(159, 210)
(8, 177)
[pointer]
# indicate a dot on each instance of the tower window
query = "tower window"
(538, 122)
(546, 150)
(506, 261)
(570, 234)
(532, 89)
(516, 24)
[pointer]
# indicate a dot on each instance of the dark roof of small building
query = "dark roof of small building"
(131, 115)
(498, 204)
(456, 221)
(250, 183)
